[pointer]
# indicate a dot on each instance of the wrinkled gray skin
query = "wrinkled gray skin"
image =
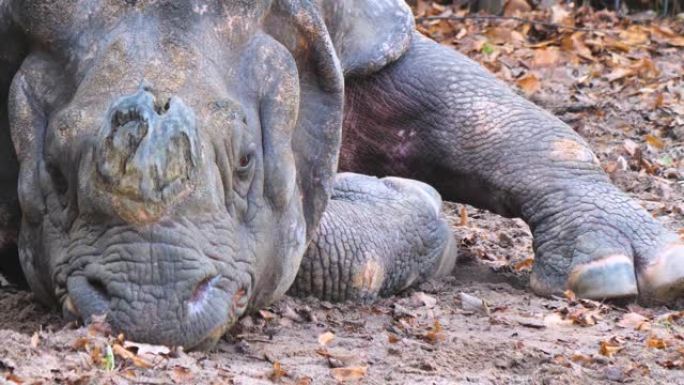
(168, 163)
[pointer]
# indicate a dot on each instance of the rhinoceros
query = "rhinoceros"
(174, 164)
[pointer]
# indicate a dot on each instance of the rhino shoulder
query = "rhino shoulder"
(368, 34)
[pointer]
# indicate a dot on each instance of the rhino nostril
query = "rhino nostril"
(87, 297)
(98, 288)
(201, 292)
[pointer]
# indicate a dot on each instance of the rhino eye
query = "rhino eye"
(246, 161)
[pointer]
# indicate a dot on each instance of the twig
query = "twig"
(516, 18)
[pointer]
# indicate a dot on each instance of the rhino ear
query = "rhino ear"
(368, 34)
(316, 140)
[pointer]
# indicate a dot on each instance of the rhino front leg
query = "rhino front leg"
(376, 237)
(437, 116)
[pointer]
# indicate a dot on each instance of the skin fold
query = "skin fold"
(173, 164)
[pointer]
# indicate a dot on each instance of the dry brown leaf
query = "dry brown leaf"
(464, 217)
(655, 142)
(128, 355)
(656, 343)
(303, 381)
(349, 374)
(574, 43)
(585, 317)
(96, 356)
(435, 334)
(14, 378)
(524, 265)
(631, 147)
(514, 7)
(325, 338)
(529, 84)
(267, 315)
(635, 321)
(646, 69)
(610, 347)
(393, 338)
(634, 35)
(581, 358)
(181, 374)
(620, 73)
(546, 57)
(570, 295)
(277, 373)
(80, 343)
(562, 16)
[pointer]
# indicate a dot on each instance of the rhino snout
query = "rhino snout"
(148, 151)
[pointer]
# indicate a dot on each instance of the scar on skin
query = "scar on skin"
(370, 277)
(571, 150)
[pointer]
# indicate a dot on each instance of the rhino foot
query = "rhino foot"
(377, 237)
(606, 249)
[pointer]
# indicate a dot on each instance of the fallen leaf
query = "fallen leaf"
(546, 57)
(464, 217)
(435, 334)
(529, 84)
(634, 321)
(128, 355)
(620, 73)
(570, 295)
(420, 299)
(14, 378)
(267, 315)
(581, 358)
(610, 347)
(524, 264)
(472, 303)
(325, 338)
(181, 374)
(514, 7)
(35, 340)
(656, 343)
(349, 374)
(143, 349)
(634, 35)
(655, 142)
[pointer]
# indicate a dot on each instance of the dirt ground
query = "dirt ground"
(620, 83)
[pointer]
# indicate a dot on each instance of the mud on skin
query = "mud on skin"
(170, 162)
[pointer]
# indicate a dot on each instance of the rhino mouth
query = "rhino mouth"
(158, 292)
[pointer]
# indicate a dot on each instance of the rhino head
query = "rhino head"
(175, 156)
